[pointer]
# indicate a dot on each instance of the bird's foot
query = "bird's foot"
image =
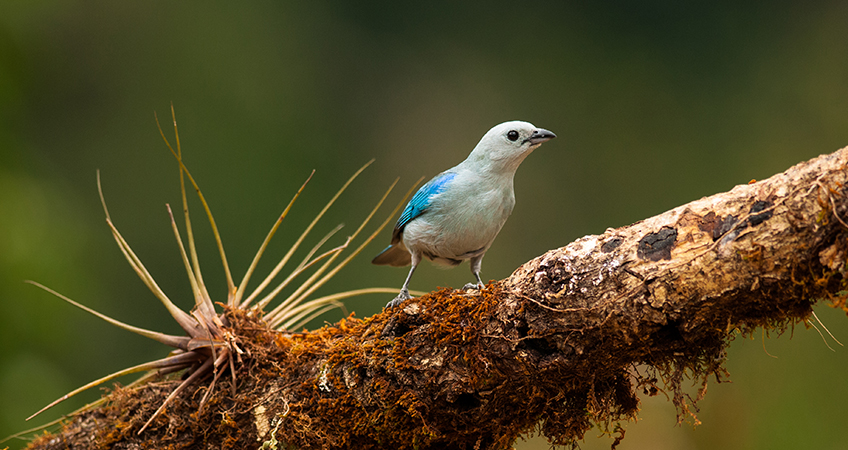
(469, 286)
(401, 297)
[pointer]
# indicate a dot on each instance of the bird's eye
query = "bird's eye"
(512, 135)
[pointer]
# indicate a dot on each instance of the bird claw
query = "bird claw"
(469, 286)
(401, 297)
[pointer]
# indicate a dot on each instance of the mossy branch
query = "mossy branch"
(567, 341)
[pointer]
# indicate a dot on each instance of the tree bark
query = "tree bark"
(567, 341)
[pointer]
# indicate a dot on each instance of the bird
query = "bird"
(457, 215)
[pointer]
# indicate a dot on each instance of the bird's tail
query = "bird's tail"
(394, 256)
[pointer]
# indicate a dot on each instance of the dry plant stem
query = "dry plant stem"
(555, 344)
(297, 243)
(243, 285)
(231, 288)
(307, 288)
(183, 319)
(173, 341)
(201, 295)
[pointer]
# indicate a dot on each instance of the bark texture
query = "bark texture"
(567, 341)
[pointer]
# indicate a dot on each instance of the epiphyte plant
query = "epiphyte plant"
(211, 345)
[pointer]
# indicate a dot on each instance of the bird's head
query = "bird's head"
(505, 146)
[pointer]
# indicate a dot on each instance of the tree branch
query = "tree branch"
(566, 341)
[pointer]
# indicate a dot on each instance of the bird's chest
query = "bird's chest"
(481, 213)
(461, 224)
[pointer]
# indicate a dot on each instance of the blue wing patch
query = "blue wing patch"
(421, 200)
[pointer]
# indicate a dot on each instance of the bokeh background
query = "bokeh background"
(655, 104)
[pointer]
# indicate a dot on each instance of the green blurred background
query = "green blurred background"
(655, 104)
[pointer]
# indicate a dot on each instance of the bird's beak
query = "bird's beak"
(541, 135)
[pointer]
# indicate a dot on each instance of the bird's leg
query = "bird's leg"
(476, 263)
(404, 291)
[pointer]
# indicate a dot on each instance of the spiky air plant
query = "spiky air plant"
(211, 346)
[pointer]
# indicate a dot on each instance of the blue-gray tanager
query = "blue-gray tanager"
(457, 215)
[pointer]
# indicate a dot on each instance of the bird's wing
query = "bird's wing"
(421, 201)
